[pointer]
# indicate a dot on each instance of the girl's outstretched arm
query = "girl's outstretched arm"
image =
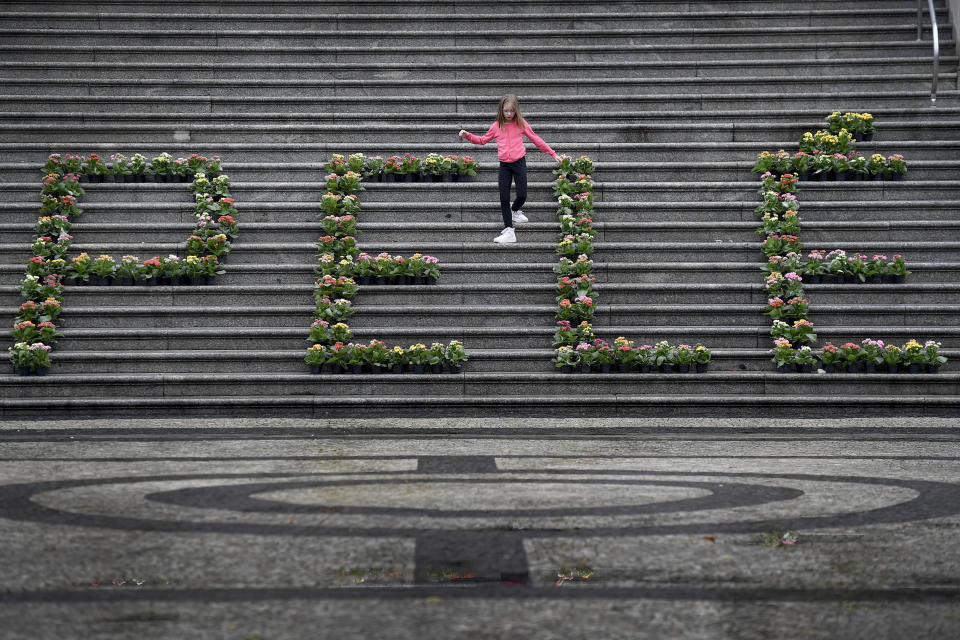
(484, 139)
(538, 141)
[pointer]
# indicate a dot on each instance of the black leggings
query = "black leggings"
(510, 171)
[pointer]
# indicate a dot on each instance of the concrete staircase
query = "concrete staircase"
(673, 100)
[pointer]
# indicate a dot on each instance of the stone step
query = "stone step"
(374, 232)
(824, 101)
(12, 273)
(880, 403)
(495, 67)
(486, 156)
(605, 191)
(752, 50)
(305, 216)
(869, 315)
(541, 293)
(291, 361)
(699, 21)
(521, 385)
(454, 7)
(403, 135)
(591, 86)
(734, 171)
(733, 339)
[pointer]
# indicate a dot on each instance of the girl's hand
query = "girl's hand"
(557, 159)
(463, 133)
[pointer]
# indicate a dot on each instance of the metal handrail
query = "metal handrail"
(936, 43)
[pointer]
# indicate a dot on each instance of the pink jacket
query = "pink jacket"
(510, 141)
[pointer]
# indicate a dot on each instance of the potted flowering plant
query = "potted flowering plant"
(646, 358)
(354, 356)
(138, 168)
(567, 267)
(22, 358)
(782, 355)
(877, 166)
(104, 267)
(587, 355)
(564, 334)
(566, 358)
(374, 168)
(850, 356)
(683, 357)
(435, 357)
(564, 166)
(376, 357)
(25, 331)
(858, 166)
(172, 270)
(624, 355)
(455, 356)
(393, 169)
(467, 169)
(663, 356)
(876, 269)
(337, 357)
(896, 167)
(410, 168)
(802, 164)
(81, 268)
(337, 164)
(701, 358)
(830, 357)
(193, 270)
(356, 162)
(316, 357)
(449, 166)
(397, 359)
(871, 354)
(151, 270)
(803, 359)
(121, 168)
(892, 357)
(897, 270)
(94, 169)
(932, 357)
(417, 357)
(913, 356)
(126, 273)
(802, 332)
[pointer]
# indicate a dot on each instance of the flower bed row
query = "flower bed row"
(791, 330)
(870, 356)
(406, 168)
(342, 269)
(576, 348)
(828, 155)
(137, 168)
(48, 270)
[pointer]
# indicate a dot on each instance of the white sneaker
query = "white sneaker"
(519, 218)
(507, 235)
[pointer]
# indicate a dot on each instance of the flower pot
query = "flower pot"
(151, 282)
(456, 369)
(623, 368)
(389, 177)
(418, 280)
(702, 367)
(666, 368)
(139, 178)
(378, 280)
(804, 368)
(435, 177)
(417, 368)
(410, 177)
(852, 368)
(336, 368)
(866, 137)
(567, 368)
(401, 280)
(933, 368)
(171, 281)
(828, 368)
(447, 177)
(869, 367)
(94, 179)
(874, 280)
(683, 368)
(915, 368)
(436, 368)
(356, 368)
(41, 371)
(396, 368)
(785, 368)
(840, 177)
(431, 280)
(126, 281)
(812, 278)
(644, 368)
(23, 371)
(877, 177)
(898, 279)
(315, 369)
(605, 367)
(584, 368)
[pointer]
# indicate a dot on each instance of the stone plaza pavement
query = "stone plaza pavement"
(480, 528)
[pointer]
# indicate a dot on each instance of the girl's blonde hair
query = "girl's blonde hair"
(516, 111)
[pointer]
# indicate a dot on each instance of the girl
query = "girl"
(508, 131)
